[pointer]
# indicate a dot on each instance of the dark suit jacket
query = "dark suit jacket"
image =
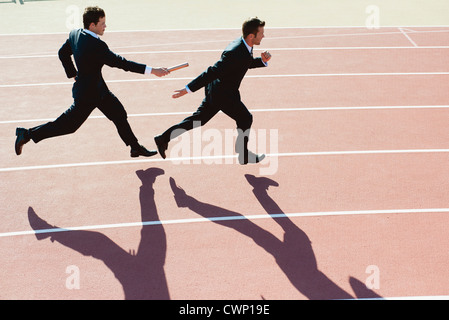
(90, 55)
(222, 80)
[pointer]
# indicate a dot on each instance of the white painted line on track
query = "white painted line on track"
(408, 37)
(300, 75)
(225, 218)
(219, 157)
(225, 29)
(50, 55)
(401, 30)
(183, 113)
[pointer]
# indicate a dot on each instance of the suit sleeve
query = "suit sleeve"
(257, 63)
(116, 61)
(65, 55)
(218, 70)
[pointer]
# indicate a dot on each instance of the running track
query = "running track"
(362, 175)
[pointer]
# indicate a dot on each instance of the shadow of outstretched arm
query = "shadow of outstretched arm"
(88, 243)
(294, 255)
(236, 220)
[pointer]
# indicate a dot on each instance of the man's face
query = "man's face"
(99, 27)
(259, 36)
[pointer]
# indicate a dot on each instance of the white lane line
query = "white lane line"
(355, 74)
(301, 75)
(227, 29)
(183, 113)
(154, 114)
(408, 37)
(50, 55)
(401, 30)
(225, 218)
(220, 157)
(46, 84)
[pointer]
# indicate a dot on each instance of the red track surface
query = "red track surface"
(344, 211)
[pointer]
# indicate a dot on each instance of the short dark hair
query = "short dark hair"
(251, 26)
(92, 15)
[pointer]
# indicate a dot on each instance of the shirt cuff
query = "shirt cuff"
(188, 89)
(148, 70)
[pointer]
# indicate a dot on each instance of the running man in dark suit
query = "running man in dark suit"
(222, 82)
(90, 90)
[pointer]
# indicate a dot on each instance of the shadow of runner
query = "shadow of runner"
(141, 274)
(294, 254)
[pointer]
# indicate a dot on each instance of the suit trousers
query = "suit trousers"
(206, 111)
(77, 114)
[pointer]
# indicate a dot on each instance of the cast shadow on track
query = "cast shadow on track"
(140, 273)
(294, 255)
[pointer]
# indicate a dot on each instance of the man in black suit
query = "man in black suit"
(222, 82)
(90, 90)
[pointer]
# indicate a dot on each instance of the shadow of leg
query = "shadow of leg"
(142, 275)
(151, 254)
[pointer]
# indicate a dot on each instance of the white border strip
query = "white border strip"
(208, 158)
(225, 218)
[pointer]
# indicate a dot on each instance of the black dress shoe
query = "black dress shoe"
(22, 138)
(161, 145)
(252, 158)
(142, 151)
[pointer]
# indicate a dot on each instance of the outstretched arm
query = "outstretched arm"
(116, 61)
(220, 68)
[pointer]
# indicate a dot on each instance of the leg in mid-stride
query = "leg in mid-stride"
(89, 89)
(221, 82)
(75, 116)
(205, 112)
